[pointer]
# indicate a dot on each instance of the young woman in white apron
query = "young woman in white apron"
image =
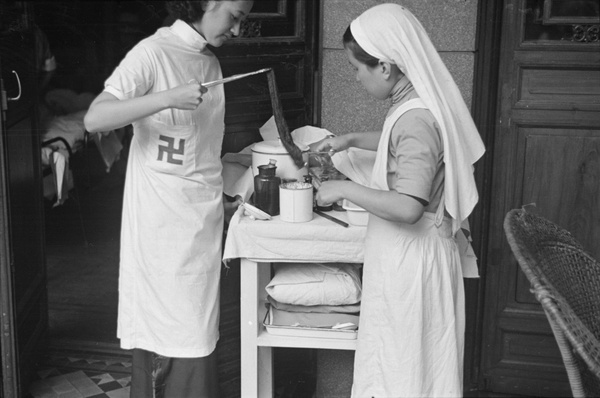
(173, 203)
(411, 332)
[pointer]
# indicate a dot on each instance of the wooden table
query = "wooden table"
(259, 244)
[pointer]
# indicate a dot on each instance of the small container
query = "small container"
(266, 188)
(296, 202)
(324, 207)
(263, 151)
(319, 205)
(356, 215)
(337, 206)
(309, 180)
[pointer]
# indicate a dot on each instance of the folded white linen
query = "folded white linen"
(323, 309)
(311, 320)
(315, 284)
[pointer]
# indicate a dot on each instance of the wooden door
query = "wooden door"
(282, 34)
(22, 265)
(278, 34)
(546, 151)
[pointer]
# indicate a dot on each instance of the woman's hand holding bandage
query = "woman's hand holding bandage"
(332, 144)
(123, 112)
(368, 140)
(187, 96)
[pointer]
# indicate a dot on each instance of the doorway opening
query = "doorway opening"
(82, 234)
(82, 257)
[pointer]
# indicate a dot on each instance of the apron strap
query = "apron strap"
(439, 214)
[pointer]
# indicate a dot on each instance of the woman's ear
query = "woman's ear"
(386, 69)
(390, 71)
(206, 4)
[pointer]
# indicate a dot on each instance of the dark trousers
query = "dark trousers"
(161, 377)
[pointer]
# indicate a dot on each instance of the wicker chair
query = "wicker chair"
(566, 281)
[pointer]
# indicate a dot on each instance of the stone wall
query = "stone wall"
(345, 105)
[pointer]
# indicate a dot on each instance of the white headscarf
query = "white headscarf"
(391, 33)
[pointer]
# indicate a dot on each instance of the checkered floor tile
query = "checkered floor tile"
(83, 377)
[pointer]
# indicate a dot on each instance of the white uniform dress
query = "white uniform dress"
(172, 208)
(411, 332)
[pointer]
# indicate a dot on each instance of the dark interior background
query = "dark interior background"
(88, 40)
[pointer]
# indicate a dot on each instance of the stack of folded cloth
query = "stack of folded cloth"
(315, 295)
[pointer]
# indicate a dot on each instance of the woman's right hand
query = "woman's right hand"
(333, 144)
(187, 96)
(107, 112)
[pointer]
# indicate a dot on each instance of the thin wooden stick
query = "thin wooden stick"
(335, 220)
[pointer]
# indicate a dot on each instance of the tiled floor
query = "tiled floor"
(75, 377)
(82, 285)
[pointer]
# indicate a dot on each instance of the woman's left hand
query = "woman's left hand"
(230, 208)
(331, 191)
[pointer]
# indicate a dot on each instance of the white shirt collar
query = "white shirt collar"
(188, 34)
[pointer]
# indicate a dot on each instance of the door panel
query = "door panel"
(549, 81)
(24, 266)
(281, 34)
(546, 147)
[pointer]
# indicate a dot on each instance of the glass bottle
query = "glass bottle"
(266, 188)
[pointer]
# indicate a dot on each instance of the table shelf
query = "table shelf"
(266, 339)
(257, 245)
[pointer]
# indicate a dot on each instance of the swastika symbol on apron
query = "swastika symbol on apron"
(170, 149)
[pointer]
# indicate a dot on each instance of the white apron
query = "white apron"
(411, 332)
(171, 235)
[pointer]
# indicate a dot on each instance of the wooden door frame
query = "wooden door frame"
(484, 110)
(9, 374)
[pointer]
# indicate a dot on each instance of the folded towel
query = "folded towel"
(323, 309)
(312, 320)
(315, 284)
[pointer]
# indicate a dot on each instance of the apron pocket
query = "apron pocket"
(169, 149)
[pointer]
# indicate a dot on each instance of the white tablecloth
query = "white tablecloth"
(319, 240)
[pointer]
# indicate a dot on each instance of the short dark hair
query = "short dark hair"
(358, 52)
(187, 11)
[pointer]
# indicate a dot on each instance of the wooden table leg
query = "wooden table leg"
(265, 372)
(256, 363)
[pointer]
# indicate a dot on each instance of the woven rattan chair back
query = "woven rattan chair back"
(566, 281)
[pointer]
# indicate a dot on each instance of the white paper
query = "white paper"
(238, 180)
(269, 131)
(309, 134)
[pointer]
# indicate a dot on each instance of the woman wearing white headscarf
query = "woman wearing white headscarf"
(411, 332)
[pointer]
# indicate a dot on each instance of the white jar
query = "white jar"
(264, 151)
(296, 202)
